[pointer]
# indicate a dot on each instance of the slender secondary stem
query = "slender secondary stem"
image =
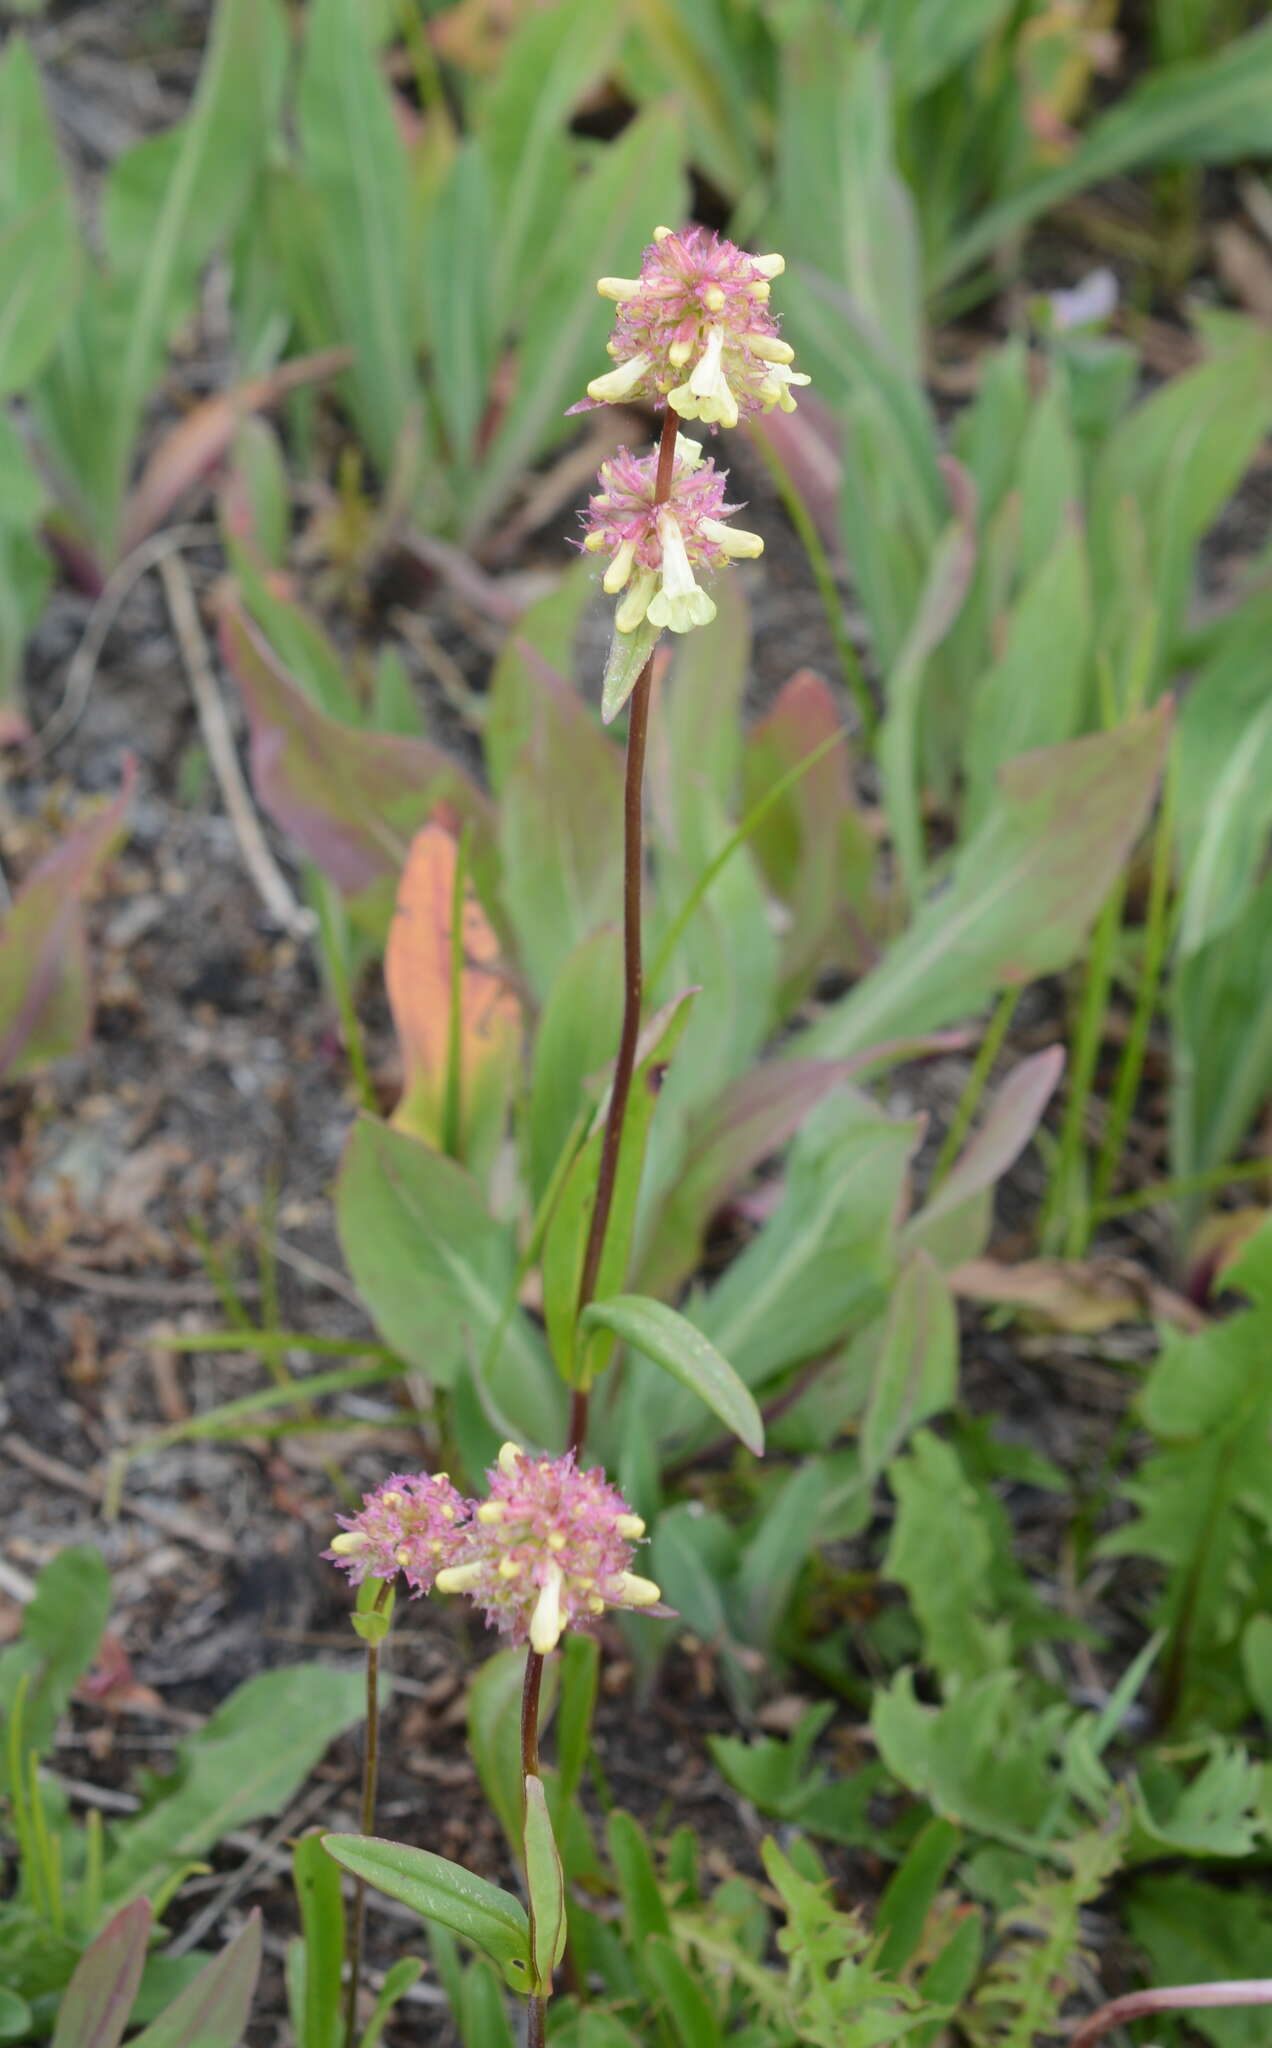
(370, 1774)
(633, 967)
(1139, 2005)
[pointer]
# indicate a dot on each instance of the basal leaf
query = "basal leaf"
(45, 1000)
(350, 799)
(459, 1032)
(62, 1626)
(213, 2011)
(438, 1276)
(1023, 892)
(247, 1761)
(39, 243)
(96, 2003)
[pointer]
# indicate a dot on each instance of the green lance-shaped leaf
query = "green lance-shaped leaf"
(545, 1882)
(685, 1353)
(627, 657)
(438, 1889)
(212, 2011)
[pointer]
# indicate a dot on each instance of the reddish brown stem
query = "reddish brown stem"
(633, 968)
(530, 1714)
(1142, 2005)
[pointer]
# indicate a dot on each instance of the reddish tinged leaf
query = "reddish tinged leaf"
(418, 971)
(212, 2011)
(814, 847)
(1082, 1296)
(192, 449)
(1012, 1118)
(806, 442)
(753, 1118)
(97, 2001)
(349, 799)
(45, 1000)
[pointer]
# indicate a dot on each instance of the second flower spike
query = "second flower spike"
(655, 549)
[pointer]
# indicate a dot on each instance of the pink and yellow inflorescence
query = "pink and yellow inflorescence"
(654, 549)
(694, 331)
(410, 1525)
(549, 1549)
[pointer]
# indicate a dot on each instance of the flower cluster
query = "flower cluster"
(408, 1525)
(694, 331)
(655, 548)
(549, 1549)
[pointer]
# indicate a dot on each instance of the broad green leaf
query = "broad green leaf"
(212, 2012)
(575, 1040)
(438, 1276)
(16, 2019)
(634, 182)
(62, 1627)
(565, 1247)
(821, 1262)
(1209, 111)
(96, 2003)
(492, 1919)
(45, 990)
(750, 1121)
(674, 1344)
(318, 1895)
(1036, 693)
(247, 1761)
(1023, 893)
(39, 244)
(545, 1887)
(301, 646)
(356, 161)
(559, 821)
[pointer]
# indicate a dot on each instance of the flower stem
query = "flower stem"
(370, 1773)
(1138, 2005)
(530, 1714)
(633, 970)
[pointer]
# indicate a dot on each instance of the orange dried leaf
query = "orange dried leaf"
(418, 971)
